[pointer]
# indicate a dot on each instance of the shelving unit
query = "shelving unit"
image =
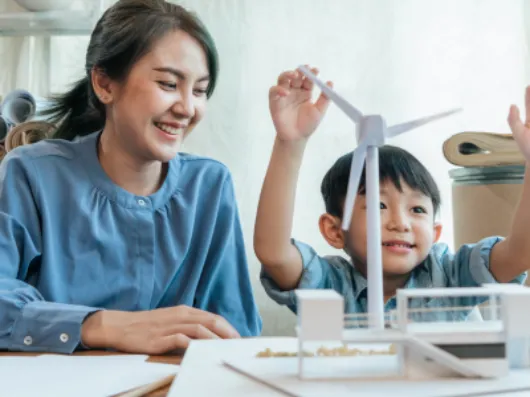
(73, 22)
(70, 22)
(52, 23)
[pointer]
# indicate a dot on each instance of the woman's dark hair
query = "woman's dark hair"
(124, 33)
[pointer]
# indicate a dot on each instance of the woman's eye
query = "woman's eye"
(382, 206)
(200, 91)
(168, 85)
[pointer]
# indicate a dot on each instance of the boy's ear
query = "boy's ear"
(331, 229)
(437, 231)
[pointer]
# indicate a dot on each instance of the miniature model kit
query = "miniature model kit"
(430, 350)
(409, 355)
(371, 131)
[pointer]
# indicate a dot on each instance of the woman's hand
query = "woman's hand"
(153, 332)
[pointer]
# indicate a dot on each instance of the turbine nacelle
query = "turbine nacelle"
(371, 130)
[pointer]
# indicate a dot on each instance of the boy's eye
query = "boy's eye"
(168, 85)
(382, 206)
(419, 210)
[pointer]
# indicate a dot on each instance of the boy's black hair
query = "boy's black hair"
(395, 165)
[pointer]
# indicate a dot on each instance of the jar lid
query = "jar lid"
(488, 175)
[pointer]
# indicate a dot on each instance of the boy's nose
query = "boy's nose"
(399, 222)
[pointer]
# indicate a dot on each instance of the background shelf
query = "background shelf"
(49, 23)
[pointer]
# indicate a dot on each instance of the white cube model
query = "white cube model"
(320, 314)
(517, 326)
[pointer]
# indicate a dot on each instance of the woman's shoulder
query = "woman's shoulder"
(194, 160)
(40, 153)
(202, 167)
(46, 148)
(55, 160)
(33, 140)
(202, 178)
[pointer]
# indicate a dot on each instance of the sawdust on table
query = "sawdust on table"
(335, 351)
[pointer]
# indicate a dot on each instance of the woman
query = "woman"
(109, 238)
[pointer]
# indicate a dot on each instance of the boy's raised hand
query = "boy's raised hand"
(510, 257)
(520, 131)
(294, 116)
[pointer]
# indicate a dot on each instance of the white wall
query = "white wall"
(402, 59)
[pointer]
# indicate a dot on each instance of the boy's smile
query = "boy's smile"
(399, 247)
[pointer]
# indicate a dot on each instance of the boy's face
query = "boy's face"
(408, 230)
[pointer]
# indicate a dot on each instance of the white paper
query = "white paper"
(95, 359)
(203, 373)
(80, 376)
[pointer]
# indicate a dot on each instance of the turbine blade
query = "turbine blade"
(342, 103)
(356, 170)
(409, 125)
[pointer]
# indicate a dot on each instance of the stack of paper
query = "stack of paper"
(482, 149)
(94, 376)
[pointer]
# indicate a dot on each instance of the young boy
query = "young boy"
(412, 256)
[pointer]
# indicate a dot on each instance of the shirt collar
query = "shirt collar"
(87, 148)
(418, 273)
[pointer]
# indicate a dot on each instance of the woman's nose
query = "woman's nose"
(184, 106)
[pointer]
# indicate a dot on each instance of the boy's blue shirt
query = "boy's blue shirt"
(467, 267)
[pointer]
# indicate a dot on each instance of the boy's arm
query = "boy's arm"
(511, 257)
(295, 118)
(274, 220)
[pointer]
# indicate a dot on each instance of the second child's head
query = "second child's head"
(410, 201)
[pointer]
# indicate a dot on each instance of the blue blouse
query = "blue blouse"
(72, 242)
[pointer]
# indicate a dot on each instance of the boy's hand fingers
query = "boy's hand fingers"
(323, 101)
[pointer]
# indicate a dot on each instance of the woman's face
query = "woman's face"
(162, 99)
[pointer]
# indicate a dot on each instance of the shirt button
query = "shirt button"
(28, 340)
(64, 338)
(141, 202)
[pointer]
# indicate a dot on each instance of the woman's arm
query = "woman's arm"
(224, 287)
(27, 321)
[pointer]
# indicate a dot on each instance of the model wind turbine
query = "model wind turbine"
(371, 134)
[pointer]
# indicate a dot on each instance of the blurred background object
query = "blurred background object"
(45, 5)
(18, 106)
